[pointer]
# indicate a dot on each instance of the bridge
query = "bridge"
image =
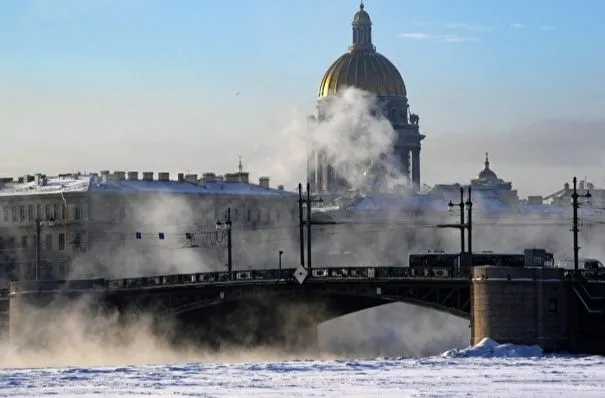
(282, 307)
(257, 307)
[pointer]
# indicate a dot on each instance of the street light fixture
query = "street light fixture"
(465, 253)
(226, 226)
(575, 204)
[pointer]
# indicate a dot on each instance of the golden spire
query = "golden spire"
(486, 160)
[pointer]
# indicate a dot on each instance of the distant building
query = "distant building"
(364, 68)
(88, 223)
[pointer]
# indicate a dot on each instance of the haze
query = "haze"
(154, 85)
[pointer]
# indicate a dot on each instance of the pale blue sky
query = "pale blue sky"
(149, 84)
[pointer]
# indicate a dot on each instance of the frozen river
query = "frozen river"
(488, 370)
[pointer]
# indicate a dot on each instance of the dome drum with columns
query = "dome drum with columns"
(364, 68)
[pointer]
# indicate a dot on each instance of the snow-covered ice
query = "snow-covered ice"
(487, 370)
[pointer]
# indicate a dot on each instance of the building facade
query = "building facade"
(117, 224)
(364, 68)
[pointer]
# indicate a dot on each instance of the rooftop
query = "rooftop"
(121, 182)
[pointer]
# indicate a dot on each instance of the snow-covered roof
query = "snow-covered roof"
(50, 185)
(93, 183)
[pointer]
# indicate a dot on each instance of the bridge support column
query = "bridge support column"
(520, 306)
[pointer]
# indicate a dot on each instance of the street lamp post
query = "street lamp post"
(465, 252)
(575, 204)
(281, 252)
(307, 201)
(461, 205)
(227, 227)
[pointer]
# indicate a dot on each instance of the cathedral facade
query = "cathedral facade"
(364, 68)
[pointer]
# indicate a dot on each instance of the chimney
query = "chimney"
(208, 178)
(180, 177)
(280, 187)
(192, 178)
(40, 180)
(244, 177)
(163, 176)
(263, 182)
(133, 175)
(232, 177)
(29, 178)
(119, 175)
(148, 176)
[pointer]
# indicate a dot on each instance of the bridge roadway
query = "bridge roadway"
(252, 308)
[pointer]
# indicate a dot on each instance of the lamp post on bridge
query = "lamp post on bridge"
(280, 253)
(307, 201)
(575, 204)
(226, 226)
(465, 252)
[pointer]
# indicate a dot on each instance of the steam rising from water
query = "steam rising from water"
(354, 134)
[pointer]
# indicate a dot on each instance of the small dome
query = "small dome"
(361, 16)
(487, 173)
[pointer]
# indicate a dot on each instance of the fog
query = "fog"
(355, 137)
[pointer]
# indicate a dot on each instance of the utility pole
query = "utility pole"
(301, 225)
(469, 226)
(575, 204)
(38, 247)
(465, 252)
(308, 227)
(227, 227)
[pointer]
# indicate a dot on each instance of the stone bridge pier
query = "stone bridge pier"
(521, 306)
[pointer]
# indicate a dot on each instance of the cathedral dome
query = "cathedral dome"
(362, 66)
(487, 173)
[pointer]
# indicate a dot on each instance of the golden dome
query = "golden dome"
(369, 71)
(362, 66)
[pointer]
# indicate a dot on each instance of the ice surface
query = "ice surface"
(488, 348)
(488, 369)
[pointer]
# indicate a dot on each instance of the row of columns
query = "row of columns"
(323, 176)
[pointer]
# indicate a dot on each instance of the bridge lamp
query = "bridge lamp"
(226, 226)
(575, 205)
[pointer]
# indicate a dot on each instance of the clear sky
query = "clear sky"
(191, 85)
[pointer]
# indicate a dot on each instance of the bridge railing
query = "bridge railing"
(286, 275)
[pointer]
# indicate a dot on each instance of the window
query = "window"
(11, 242)
(122, 214)
(30, 212)
(24, 242)
(552, 305)
(1, 243)
(47, 212)
(14, 210)
(49, 242)
(78, 213)
(22, 213)
(64, 212)
(56, 211)
(6, 214)
(249, 215)
(258, 215)
(77, 240)
(61, 242)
